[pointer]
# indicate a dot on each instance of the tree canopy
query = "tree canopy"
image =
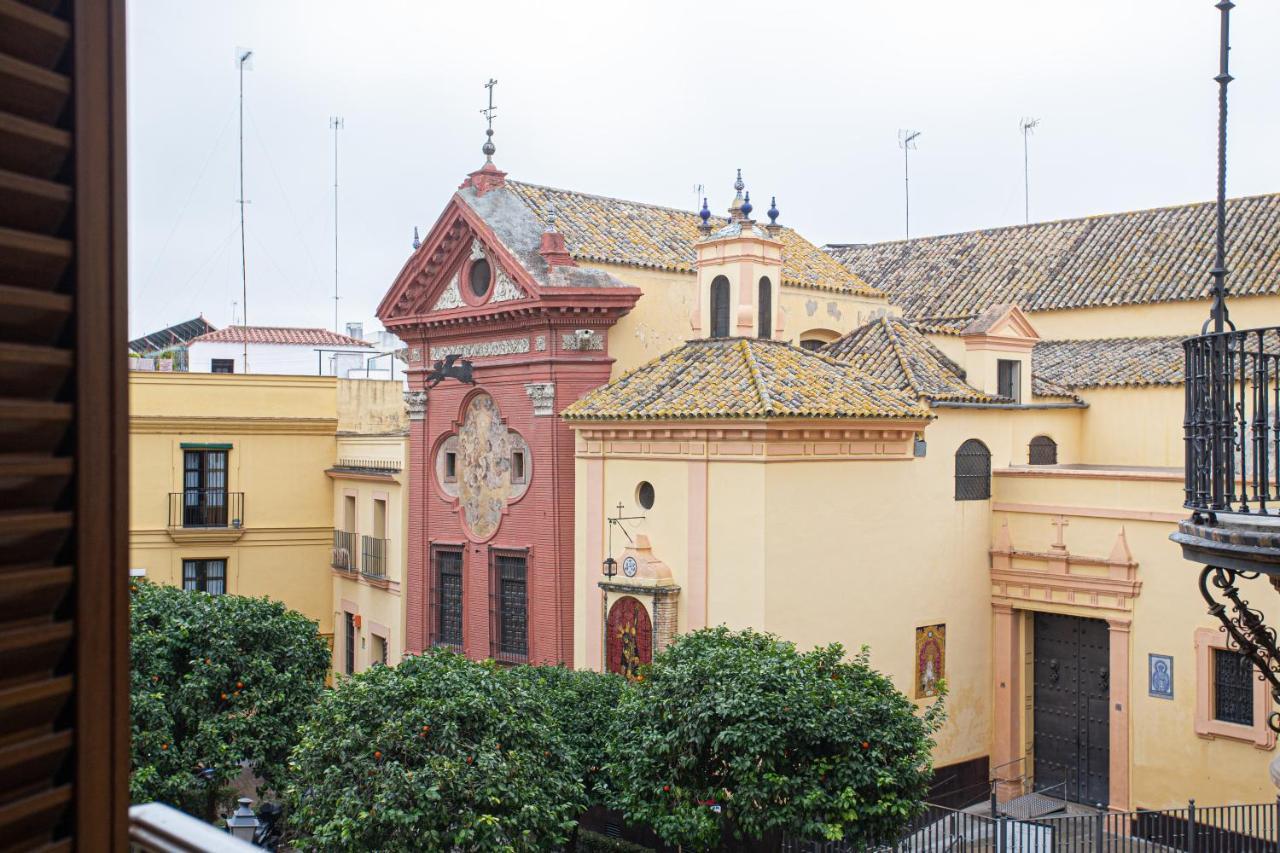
(216, 680)
(736, 735)
(437, 753)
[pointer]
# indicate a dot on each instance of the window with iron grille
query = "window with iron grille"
(720, 307)
(1232, 687)
(446, 598)
(223, 365)
(205, 575)
(1009, 379)
(973, 471)
(204, 488)
(509, 609)
(1042, 451)
(349, 665)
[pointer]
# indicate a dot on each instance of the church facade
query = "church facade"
(965, 453)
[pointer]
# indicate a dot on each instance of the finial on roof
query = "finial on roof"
(772, 212)
(735, 208)
(416, 241)
(489, 112)
(551, 217)
(747, 207)
(705, 216)
(739, 185)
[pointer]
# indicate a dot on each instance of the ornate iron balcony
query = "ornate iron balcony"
(344, 551)
(1231, 428)
(206, 508)
(373, 556)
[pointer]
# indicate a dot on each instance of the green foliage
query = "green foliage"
(583, 703)
(736, 735)
(438, 753)
(594, 842)
(216, 680)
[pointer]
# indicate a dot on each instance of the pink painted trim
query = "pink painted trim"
(1009, 699)
(349, 606)
(1259, 734)
(350, 493)
(696, 600)
(379, 630)
(464, 282)
(1118, 631)
(381, 496)
(594, 629)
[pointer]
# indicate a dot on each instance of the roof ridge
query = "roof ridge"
(833, 247)
(667, 208)
(753, 366)
(1116, 339)
(896, 343)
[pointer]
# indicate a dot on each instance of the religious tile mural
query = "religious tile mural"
(483, 467)
(1160, 676)
(630, 637)
(931, 659)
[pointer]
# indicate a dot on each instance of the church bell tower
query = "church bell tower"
(739, 268)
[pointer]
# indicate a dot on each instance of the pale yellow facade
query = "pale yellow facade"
(284, 439)
(798, 535)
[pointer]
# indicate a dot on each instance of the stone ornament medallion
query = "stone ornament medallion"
(483, 468)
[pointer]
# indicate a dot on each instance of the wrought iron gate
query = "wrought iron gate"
(1072, 706)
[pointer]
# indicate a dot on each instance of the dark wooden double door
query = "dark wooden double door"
(1072, 701)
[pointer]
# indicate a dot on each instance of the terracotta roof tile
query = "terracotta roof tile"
(1160, 255)
(1062, 366)
(610, 230)
(280, 335)
(728, 378)
(895, 354)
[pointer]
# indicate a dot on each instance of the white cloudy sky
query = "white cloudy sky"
(644, 100)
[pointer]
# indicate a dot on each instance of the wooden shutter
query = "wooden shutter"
(64, 755)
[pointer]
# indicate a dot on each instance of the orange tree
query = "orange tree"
(437, 753)
(735, 736)
(217, 681)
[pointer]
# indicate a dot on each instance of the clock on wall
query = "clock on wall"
(629, 567)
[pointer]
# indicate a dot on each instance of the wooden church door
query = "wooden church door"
(1072, 707)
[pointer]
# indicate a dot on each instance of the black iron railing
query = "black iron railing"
(386, 466)
(344, 551)
(1231, 425)
(373, 556)
(206, 508)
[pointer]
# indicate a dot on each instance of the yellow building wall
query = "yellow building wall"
(281, 429)
(1164, 318)
(1134, 426)
(660, 320)
(1169, 761)
(381, 607)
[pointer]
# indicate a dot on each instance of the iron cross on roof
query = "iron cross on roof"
(489, 112)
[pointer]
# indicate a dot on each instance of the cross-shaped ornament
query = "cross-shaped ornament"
(1060, 522)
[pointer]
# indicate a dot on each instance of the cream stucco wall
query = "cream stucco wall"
(1164, 318)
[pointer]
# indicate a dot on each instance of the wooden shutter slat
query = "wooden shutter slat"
(33, 371)
(25, 762)
(32, 35)
(32, 91)
(32, 316)
(32, 147)
(35, 591)
(31, 203)
(32, 260)
(32, 705)
(27, 822)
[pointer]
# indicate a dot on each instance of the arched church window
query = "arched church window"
(973, 471)
(1042, 451)
(720, 307)
(765, 316)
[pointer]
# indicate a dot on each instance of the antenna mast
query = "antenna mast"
(907, 142)
(336, 124)
(1027, 125)
(243, 57)
(1218, 312)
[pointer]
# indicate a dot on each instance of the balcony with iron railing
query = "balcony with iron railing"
(344, 551)
(373, 557)
(206, 515)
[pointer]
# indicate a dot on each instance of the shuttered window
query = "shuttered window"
(63, 440)
(973, 471)
(720, 307)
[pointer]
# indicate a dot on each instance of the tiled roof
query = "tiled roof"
(1067, 365)
(609, 230)
(1160, 255)
(280, 335)
(895, 354)
(717, 378)
(175, 335)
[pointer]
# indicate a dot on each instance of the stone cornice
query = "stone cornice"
(762, 441)
(152, 424)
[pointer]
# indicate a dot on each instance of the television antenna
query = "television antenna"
(1027, 125)
(244, 62)
(907, 142)
(335, 124)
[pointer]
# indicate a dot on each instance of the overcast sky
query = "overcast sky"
(645, 100)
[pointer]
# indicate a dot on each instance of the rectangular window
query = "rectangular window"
(379, 518)
(223, 365)
(379, 650)
(205, 575)
(517, 466)
(447, 600)
(1232, 687)
(204, 488)
(509, 609)
(1009, 379)
(349, 513)
(451, 467)
(349, 665)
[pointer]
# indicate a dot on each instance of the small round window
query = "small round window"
(480, 277)
(644, 495)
